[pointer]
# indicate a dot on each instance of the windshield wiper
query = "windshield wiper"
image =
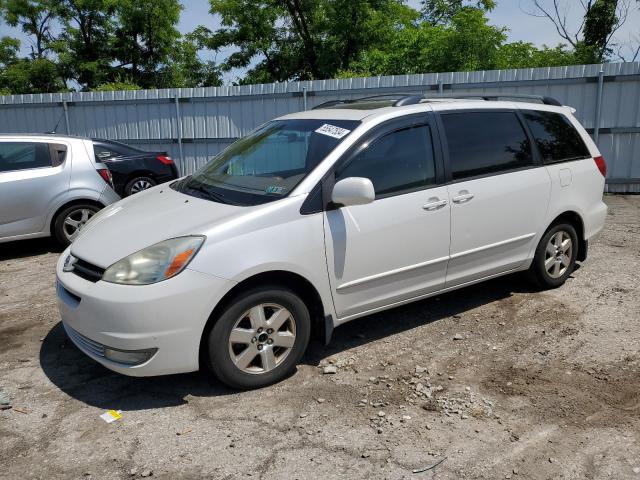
(218, 197)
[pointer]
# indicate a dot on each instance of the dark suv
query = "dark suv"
(134, 170)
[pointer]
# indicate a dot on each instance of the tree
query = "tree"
(443, 11)
(85, 45)
(34, 18)
(301, 39)
(593, 38)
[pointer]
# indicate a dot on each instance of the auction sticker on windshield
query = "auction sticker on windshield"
(333, 131)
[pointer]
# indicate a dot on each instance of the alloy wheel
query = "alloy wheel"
(75, 221)
(262, 338)
(140, 184)
(558, 254)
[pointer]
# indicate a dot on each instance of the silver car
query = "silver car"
(50, 185)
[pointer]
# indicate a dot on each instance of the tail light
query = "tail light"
(601, 164)
(164, 159)
(106, 175)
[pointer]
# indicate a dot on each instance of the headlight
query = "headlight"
(155, 263)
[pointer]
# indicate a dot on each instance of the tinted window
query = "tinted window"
(23, 156)
(103, 153)
(485, 142)
(399, 161)
(556, 138)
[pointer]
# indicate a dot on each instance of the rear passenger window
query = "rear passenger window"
(556, 137)
(23, 156)
(397, 162)
(485, 142)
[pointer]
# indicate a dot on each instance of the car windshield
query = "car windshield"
(268, 163)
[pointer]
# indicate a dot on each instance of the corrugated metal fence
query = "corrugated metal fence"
(193, 124)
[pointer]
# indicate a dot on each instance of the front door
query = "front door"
(499, 194)
(397, 247)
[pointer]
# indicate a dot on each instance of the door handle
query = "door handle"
(463, 198)
(435, 204)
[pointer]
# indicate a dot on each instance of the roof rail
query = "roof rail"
(402, 99)
(493, 96)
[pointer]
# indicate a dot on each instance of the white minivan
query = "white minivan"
(320, 217)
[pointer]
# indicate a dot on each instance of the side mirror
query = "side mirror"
(353, 191)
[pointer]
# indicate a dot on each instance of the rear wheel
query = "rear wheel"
(555, 257)
(71, 221)
(139, 184)
(260, 338)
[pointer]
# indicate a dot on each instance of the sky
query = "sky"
(509, 13)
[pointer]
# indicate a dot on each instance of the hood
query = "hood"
(147, 218)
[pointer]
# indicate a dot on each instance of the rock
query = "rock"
(303, 415)
(320, 400)
(366, 455)
(133, 472)
(551, 460)
(372, 379)
(379, 430)
(515, 471)
(329, 369)
(420, 369)
(636, 470)
(468, 389)
(464, 417)
(381, 413)
(405, 418)
(458, 336)
(146, 473)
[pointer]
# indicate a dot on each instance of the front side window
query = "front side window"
(23, 156)
(400, 161)
(557, 139)
(268, 163)
(485, 142)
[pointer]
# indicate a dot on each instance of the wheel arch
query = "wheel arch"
(75, 201)
(321, 324)
(575, 219)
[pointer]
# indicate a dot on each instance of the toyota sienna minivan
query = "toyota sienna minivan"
(323, 216)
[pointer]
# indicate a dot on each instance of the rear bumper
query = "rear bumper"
(166, 318)
(594, 221)
(108, 196)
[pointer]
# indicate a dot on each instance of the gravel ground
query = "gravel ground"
(498, 380)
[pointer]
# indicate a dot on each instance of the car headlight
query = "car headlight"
(155, 263)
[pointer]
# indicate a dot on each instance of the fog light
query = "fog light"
(129, 357)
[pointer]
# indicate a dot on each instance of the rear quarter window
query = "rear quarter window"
(556, 138)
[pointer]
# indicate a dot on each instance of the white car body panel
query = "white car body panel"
(359, 259)
(372, 263)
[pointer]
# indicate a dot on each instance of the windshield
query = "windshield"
(268, 163)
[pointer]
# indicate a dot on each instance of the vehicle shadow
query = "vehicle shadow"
(91, 383)
(368, 329)
(28, 248)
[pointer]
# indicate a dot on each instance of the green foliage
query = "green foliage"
(117, 84)
(106, 45)
(600, 21)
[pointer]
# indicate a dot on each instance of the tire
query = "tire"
(71, 220)
(256, 360)
(552, 266)
(138, 184)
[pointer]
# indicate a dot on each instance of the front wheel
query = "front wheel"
(555, 257)
(259, 338)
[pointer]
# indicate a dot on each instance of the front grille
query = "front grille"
(87, 270)
(83, 343)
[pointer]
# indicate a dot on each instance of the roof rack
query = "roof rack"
(494, 97)
(402, 99)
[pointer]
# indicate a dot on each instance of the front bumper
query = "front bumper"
(169, 316)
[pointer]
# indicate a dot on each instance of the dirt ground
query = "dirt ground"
(497, 380)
